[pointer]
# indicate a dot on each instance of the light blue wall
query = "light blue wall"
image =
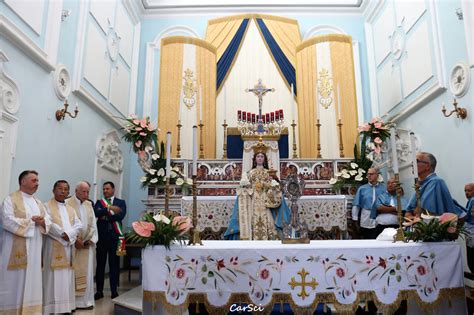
(449, 139)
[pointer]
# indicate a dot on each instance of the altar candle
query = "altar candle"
(267, 115)
(413, 154)
(239, 115)
(316, 106)
(281, 114)
(338, 103)
(253, 118)
(168, 154)
(277, 114)
(200, 104)
(225, 103)
(292, 103)
(195, 151)
(394, 151)
(272, 116)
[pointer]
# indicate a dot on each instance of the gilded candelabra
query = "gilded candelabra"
(295, 155)
(318, 125)
(167, 196)
(417, 210)
(341, 145)
(460, 112)
(194, 238)
(178, 146)
(400, 236)
(201, 145)
(224, 146)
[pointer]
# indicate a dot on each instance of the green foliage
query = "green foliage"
(433, 231)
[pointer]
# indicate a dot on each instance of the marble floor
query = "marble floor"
(105, 305)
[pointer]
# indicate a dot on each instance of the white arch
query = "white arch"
(322, 30)
(151, 49)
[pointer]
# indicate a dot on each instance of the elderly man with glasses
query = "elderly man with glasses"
(434, 192)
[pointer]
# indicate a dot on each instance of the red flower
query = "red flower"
(340, 272)
(180, 273)
(382, 263)
(220, 264)
(421, 270)
(264, 274)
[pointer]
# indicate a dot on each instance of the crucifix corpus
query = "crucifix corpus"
(260, 90)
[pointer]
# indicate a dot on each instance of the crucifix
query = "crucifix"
(260, 90)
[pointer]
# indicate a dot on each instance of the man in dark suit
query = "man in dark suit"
(109, 212)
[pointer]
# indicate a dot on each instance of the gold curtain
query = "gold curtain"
(306, 82)
(206, 64)
(171, 78)
(342, 63)
(171, 82)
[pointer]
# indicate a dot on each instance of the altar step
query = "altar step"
(129, 303)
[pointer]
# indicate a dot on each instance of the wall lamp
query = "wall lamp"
(61, 113)
(460, 112)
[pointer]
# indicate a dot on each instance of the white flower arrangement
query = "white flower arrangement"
(244, 181)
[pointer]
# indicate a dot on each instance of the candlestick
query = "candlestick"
(201, 145)
(341, 145)
(292, 103)
(318, 125)
(168, 154)
(295, 155)
(417, 211)
(413, 155)
(178, 145)
(195, 151)
(194, 238)
(225, 103)
(400, 236)
(338, 103)
(394, 150)
(224, 146)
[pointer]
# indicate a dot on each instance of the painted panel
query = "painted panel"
(124, 28)
(29, 11)
(96, 62)
(408, 12)
(417, 65)
(120, 88)
(390, 93)
(103, 12)
(383, 29)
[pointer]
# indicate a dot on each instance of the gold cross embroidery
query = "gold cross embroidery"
(19, 255)
(303, 284)
(59, 257)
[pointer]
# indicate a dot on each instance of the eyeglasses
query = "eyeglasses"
(371, 174)
(424, 162)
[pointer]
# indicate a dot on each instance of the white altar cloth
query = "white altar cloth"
(323, 212)
(340, 272)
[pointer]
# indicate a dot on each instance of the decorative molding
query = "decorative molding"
(437, 43)
(24, 43)
(358, 82)
(459, 80)
(9, 94)
(151, 50)
(431, 93)
(133, 8)
(371, 63)
(109, 155)
(134, 67)
(372, 10)
(80, 42)
(323, 29)
(113, 44)
(53, 30)
(89, 99)
(61, 82)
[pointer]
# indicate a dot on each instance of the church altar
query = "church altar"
(343, 273)
(318, 212)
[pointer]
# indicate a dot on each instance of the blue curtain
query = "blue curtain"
(285, 66)
(225, 62)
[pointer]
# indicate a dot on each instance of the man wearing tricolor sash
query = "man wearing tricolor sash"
(110, 212)
(58, 253)
(85, 246)
(24, 220)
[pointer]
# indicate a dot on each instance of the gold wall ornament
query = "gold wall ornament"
(189, 88)
(325, 88)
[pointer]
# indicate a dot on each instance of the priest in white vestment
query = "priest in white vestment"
(85, 246)
(58, 273)
(23, 219)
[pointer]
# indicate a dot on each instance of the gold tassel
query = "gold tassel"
(366, 308)
(325, 308)
(282, 308)
(450, 304)
(197, 307)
